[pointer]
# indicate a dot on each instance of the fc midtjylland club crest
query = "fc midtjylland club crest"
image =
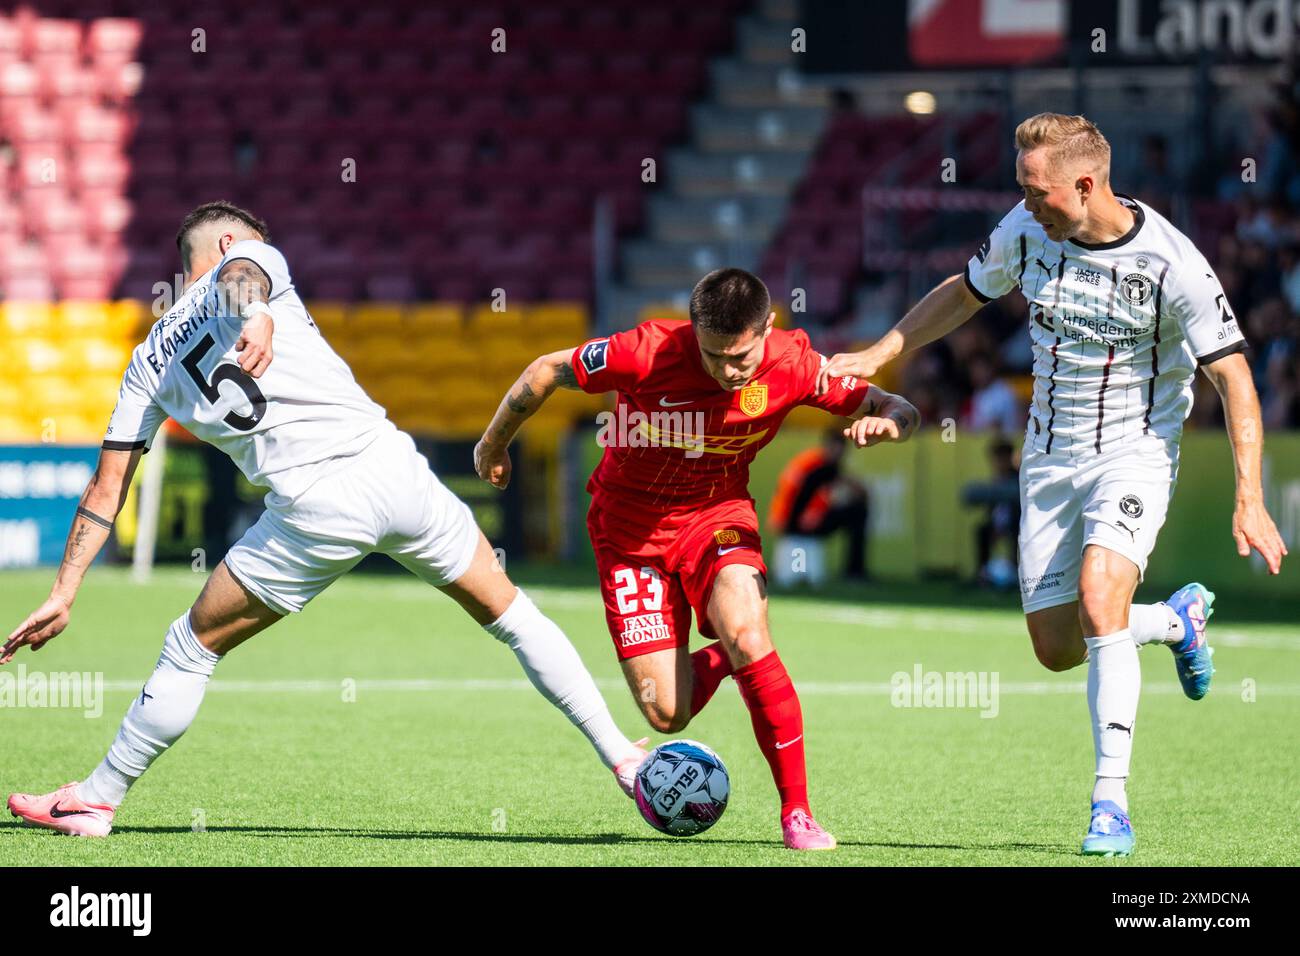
(1135, 288)
(753, 400)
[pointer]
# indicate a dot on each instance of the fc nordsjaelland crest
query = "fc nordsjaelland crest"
(753, 400)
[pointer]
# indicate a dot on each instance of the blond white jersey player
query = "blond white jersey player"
(343, 480)
(1123, 311)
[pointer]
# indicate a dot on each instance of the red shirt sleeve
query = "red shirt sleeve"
(844, 397)
(614, 363)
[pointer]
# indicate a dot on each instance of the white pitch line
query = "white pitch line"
(987, 621)
(1269, 640)
(814, 688)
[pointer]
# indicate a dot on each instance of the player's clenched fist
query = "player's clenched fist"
(866, 432)
(492, 464)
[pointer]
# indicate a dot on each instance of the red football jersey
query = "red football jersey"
(678, 439)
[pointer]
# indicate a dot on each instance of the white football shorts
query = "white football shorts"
(1116, 500)
(387, 499)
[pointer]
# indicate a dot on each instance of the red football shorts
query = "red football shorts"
(654, 571)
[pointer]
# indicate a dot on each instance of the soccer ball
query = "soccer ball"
(682, 788)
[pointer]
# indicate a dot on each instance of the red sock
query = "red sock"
(709, 665)
(774, 711)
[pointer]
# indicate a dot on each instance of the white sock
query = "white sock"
(1112, 789)
(160, 713)
(555, 669)
(1155, 624)
(1114, 683)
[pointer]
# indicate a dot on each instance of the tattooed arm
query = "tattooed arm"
(534, 386)
(886, 417)
(91, 525)
(245, 289)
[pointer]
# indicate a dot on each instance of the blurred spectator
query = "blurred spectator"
(1281, 401)
(1153, 181)
(994, 404)
(1289, 264)
(1267, 225)
(1250, 233)
(815, 500)
(1000, 495)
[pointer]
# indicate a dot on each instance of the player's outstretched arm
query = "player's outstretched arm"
(100, 503)
(1252, 527)
(885, 417)
(542, 377)
(246, 291)
(947, 306)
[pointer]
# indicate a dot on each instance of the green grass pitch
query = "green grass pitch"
(444, 756)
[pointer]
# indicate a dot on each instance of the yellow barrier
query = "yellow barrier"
(439, 367)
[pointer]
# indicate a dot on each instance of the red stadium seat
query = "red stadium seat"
(18, 79)
(490, 164)
(47, 36)
(114, 38)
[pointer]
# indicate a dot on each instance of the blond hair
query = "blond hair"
(1072, 142)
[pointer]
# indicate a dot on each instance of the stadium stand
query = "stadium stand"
(475, 170)
(478, 170)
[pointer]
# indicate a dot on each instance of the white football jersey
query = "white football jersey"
(1118, 328)
(297, 423)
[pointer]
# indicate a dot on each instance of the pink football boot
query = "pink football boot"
(62, 810)
(625, 770)
(801, 832)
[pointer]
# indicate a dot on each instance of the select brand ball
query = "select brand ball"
(682, 788)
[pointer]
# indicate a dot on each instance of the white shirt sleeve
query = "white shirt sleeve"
(268, 258)
(995, 268)
(136, 417)
(1198, 303)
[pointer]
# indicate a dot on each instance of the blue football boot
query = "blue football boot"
(1110, 833)
(1193, 603)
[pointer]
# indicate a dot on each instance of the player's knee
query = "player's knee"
(1057, 644)
(1099, 613)
(664, 721)
(1056, 657)
(749, 642)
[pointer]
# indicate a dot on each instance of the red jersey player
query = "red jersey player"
(671, 520)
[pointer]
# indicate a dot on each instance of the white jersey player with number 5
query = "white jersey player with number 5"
(1122, 312)
(343, 480)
